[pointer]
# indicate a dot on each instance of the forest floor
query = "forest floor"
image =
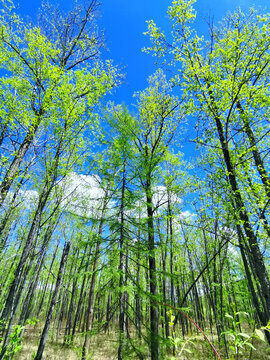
(104, 347)
(101, 345)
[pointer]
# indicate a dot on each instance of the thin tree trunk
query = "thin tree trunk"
(138, 315)
(47, 281)
(154, 313)
(93, 282)
(44, 335)
(9, 305)
(79, 305)
(256, 154)
(121, 268)
(67, 338)
(18, 158)
(260, 271)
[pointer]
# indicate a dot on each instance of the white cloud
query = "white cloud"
(186, 215)
(83, 194)
(228, 232)
(233, 251)
(28, 198)
(79, 194)
(161, 197)
(160, 202)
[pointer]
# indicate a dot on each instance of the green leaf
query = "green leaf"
(244, 335)
(260, 334)
(250, 345)
(187, 350)
(177, 341)
(242, 313)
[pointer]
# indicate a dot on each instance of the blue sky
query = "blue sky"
(124, 22)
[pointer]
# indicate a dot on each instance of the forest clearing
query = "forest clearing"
(114, 243)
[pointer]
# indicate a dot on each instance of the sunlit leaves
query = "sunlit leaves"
(181, 11)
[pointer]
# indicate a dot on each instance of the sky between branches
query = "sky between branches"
(124, 22)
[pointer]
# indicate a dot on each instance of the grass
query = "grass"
(104, 347)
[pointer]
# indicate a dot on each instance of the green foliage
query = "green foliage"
(241, 342)
(14, 344)
(139, 249)
(180, 345)
(15, 339)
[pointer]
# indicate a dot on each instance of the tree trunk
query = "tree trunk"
(92, 284)
(121, 268)
(255, 254)
(154, 313)
(44, 335)
(14, 167)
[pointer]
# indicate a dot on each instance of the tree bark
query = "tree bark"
(45, 331)
(121, 268)
(260, 271)
(14, 167)
(154, 313)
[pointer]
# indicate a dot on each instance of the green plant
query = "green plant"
(196, 325)
(14, 344)
(33, 321)
(180, 345)
(15, 339)
(240, 342)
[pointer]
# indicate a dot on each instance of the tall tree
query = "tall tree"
(157, 122)
(56, 93)
(48, 66)
(223, 81)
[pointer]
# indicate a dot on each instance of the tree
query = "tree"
(224, 82)
(121, 155)
(57, 85)
(157, 122)
(53, 302)
(52, 68)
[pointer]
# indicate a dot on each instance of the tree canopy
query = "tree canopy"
(107, 234)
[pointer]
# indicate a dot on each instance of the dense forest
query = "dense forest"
(112, 244)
